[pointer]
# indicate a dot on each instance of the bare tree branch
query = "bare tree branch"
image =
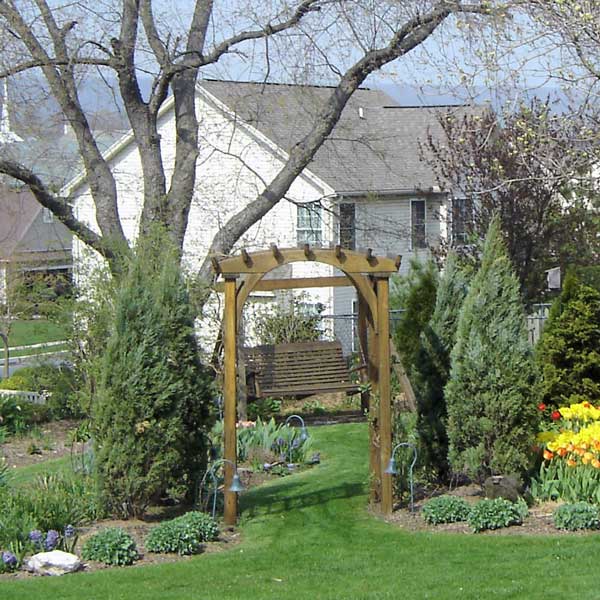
(59, 207)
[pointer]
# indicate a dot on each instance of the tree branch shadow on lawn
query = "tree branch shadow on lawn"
(285, 496)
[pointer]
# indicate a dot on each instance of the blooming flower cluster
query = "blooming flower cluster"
(577, 439)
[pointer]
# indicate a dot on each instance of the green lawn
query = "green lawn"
(23, 475)
(37, 331)
(309, 536)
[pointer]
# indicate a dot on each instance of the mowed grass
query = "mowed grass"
(35, 331)
(310, 536)
(24, 475)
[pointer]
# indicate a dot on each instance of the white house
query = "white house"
(366, 186)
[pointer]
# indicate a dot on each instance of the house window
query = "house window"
(417, 224)
(47, 216)
(347, 232)
(309, 227)
(462, 220)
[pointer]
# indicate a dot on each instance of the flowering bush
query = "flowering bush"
(571, 454)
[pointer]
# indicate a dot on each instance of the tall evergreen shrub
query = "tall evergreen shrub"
(432, 369)
(153, 402)
(568, 353)
(492, 413)
(415, 295)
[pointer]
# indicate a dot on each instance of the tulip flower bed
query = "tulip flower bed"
(571, 455)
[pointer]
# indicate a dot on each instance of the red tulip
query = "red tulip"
(542, 406)
(555, 415)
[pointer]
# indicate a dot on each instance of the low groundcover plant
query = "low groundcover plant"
(446, 509)
(182, 535)
(112, 546)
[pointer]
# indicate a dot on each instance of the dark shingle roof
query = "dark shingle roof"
(373, 148)
(18, 209)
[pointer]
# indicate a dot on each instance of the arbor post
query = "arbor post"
(373, 414)
(229, 397)
(385, 405)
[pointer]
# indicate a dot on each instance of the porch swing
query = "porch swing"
(297, 370)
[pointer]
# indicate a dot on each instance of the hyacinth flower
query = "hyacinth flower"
(52, 538)
(37, 538)
(10, 560)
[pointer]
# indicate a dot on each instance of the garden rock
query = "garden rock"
(56, 562)
(503, 486)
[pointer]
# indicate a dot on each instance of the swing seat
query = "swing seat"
(297, 370)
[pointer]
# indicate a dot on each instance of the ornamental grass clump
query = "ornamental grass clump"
(495, 514)
(182, 535)
(580, 515)
(570, 441)
(446, 509)
(112, 546)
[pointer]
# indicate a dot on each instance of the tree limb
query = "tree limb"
(58, 206)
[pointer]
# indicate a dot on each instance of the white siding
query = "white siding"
(233, 166)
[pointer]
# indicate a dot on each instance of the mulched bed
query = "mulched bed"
(228, 538)
(538, 522)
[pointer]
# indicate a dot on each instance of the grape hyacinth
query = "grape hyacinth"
(36, 537)
(52, 538)
(9, 559)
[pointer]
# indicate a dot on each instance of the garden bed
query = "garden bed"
(538, 522)
(138, 530)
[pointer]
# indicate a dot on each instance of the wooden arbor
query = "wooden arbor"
(369, 274)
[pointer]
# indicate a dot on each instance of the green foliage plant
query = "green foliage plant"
(288, 322)
(183, 535)
(492, 412)
(432, 369)
(59, 381)
(495, 514)
(51, 502)
(13, 414)
(152, 411)
(264, 408)
(415, 294)
(446, 509)
(580, 515)
(112, 546)
(568, 353)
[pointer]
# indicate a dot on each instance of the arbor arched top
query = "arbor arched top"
(348, 261)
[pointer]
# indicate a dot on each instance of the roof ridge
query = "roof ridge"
(281, 83)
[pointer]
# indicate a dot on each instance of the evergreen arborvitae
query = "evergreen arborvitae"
(492, 412)
(153, 403)
(415, 295)
(568, 353)
(432, 369)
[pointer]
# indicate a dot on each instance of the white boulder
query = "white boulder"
(56, 562)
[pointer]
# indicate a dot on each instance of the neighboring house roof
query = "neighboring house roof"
(18, 210)
(26, 234)
(373, 148)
